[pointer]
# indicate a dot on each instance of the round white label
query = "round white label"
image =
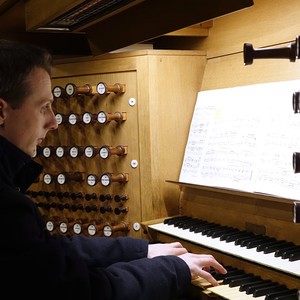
(91, 229)
(92, 180)
(70, 89)
(101, 117)
(58, 118)
(47, 178)
(61, 178)
(57, 92)
(46, 152)
(60, 151)
(86, 118)
(107, 230)
(74, 152)
(63, 227)
(77, 228)
(89, 151)
(101, 88)
(50, 226)
(105, 180)
(104, 152)
(72, 119)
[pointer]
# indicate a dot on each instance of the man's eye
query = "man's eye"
(45, 108)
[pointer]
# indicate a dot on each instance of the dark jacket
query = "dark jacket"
(37, 265)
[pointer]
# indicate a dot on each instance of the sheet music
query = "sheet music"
(244, 138)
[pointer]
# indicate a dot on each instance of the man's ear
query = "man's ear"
(3, 105)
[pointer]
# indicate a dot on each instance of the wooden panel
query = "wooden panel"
(229, 71)
(267, 22)
(271, 217)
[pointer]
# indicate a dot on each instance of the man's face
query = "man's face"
(27, 126)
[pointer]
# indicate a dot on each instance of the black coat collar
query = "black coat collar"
(17, 169)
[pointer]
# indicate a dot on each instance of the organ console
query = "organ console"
(249, 233)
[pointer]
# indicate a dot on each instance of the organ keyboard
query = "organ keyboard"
(260, 259)
(239, 285)
(280, 255)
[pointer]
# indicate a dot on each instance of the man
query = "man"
(37, 265)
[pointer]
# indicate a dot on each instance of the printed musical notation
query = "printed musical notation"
(244, 138)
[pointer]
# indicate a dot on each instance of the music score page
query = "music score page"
(243, 138)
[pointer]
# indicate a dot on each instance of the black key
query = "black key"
(224, 236)
(228, 279)
(224, 230)
(220, 276)
(190, 223)
(280, 245)
(279, 252)
(265, 283)
(294, 256)
(216, 230)
(257, 243)
(245, 283)
(180, 222)
(251, 238)
(263, 245)
(244, 279)
(272, 243)
(244, 286)
(230, 273)
(285, 292)
(266, 290)
(239, 240)
(209, 229)
(196, 225)
(185, 223)
(289, 297)
(255, 238)
(232, 238)
(202, 227)
(171, 221)
(287, 253)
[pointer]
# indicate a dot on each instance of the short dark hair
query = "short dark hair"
(17, 60)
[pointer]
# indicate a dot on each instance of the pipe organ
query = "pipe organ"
(112, 167)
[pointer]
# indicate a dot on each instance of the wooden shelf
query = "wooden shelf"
(219, 190)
